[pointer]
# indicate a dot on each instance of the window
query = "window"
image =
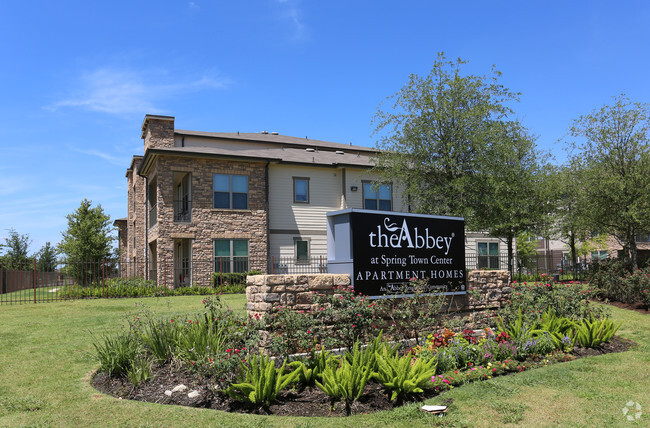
(599, 255)
(301, 250)
(643, 237)
(488, 255)
(301, 190)
(231, 255)
(377, 197)
(230, 191)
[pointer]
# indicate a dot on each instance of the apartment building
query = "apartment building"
(204, 202)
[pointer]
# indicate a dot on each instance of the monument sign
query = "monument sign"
(383, 251)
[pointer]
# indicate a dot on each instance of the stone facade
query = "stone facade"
(156, 237)
(122, 237)
(136, 221)
(489, 290)
(264, 292)
(206, 223)
(158, 132)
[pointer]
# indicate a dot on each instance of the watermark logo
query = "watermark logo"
(632, 411)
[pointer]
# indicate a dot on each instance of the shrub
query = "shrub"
(261, 382)
(344, 318)
(116, 354)
(348, 380)
(404, 375)
(231, 282)
(312, 367)
(290, 332)
(570, 300)
(591, 333)
(618, 281)
(417, 314)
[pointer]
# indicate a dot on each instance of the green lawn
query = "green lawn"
(45, 364)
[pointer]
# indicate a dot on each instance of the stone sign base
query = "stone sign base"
(488, 289)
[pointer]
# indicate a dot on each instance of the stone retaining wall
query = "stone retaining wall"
(488, 290)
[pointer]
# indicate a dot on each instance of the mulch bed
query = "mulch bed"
(305, 402)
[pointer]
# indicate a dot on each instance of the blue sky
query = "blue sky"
(77, 78)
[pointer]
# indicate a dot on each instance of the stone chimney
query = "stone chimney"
(158, 132)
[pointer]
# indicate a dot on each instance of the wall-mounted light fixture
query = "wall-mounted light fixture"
(354, 188)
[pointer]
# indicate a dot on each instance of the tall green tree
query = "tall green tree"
(436, 134)
(15, 249)
(612, 162)
(512, 197)
(87, 241)
(46, 258)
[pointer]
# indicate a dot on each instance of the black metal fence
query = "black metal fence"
(32, 286)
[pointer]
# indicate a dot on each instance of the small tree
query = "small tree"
(87, 241)
(16, 247)
(46, 258)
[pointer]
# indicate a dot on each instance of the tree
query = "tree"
(436, 135)
(16, 247)
(512, 199)
(612, 163)
(87, 241)
(46, 258)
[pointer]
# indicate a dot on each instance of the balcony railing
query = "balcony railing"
(153, 215)
(183, 211)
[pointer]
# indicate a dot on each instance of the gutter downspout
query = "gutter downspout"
(268, 215)
(146, 228)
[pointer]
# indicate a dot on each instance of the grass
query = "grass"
(46, 362)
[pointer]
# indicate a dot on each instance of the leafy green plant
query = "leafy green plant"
(592, 332)
(312, 367)
(347, 381)
(291, 332)
(518, 329)
(139, 371)
(404, 375)
(199, 340)
(343, 318)
(416, 315)
(160, 338)
(558, 328)
(116, 354)
(261, 382)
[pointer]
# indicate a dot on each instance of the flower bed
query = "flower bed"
(219, 356)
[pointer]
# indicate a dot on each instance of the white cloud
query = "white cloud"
(292, 13)
(126, 92)
(115, 160)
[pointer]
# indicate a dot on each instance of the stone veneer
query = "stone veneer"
(136, 221)
(489, 290)
(263, 292)
(207, 223)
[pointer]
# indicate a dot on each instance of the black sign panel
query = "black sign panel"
(390, 249)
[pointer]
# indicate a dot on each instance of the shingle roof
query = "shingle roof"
(276, 139)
